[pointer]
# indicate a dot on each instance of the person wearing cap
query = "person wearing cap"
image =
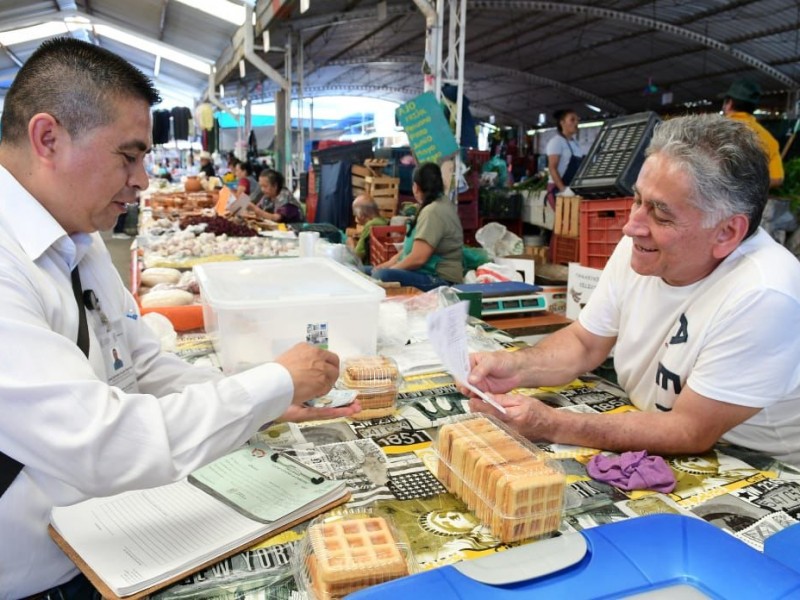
(739, 103)
(206, 166)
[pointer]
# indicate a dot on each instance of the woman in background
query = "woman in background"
(564, 155)
(433, 247)
(276, 203)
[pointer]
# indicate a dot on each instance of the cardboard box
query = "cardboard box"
(255, 310)
(556, 296)
(580, 285)
(524, 265)
(537, 211)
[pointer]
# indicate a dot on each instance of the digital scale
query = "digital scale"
(506, 297)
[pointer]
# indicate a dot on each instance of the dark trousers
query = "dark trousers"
(77, 588)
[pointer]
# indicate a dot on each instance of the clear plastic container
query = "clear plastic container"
(510, 484)
(346, 551)
(376, 379)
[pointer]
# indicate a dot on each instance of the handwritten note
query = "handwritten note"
(447, 332)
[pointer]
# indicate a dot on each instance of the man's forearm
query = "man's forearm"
(656, 432)
(560, 357)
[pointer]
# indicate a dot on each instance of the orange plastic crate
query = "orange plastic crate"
(601, 228)
(564, 249)
(382, 242)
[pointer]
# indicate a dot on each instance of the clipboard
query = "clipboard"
(108, 594)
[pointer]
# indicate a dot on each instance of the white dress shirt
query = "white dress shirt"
(77, 435)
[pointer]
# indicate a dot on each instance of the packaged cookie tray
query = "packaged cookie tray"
(370, 373)
(345, 551)
(510, 485)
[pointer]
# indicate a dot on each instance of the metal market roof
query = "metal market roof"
(522, 58)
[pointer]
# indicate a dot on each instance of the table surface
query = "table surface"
(535, 324)
(389, 463)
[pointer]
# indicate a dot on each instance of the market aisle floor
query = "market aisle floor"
(120, 254)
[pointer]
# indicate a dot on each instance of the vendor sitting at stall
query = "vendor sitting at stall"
(433, 247)
(699, 303)
(277, 203)
(366, 214)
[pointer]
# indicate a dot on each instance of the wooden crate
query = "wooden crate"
(568, 216)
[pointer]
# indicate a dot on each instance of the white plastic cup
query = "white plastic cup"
(308, 242)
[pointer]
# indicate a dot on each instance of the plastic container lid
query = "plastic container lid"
(347, 551)
(510, 484)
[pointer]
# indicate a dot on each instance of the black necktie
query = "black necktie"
(83, 328)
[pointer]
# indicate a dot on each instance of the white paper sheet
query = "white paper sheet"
(447, 333)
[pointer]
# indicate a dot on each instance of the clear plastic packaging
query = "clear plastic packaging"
(376, 379)
(346, 551)
(510, 484)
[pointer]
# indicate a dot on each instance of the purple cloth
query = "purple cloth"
(632, 471)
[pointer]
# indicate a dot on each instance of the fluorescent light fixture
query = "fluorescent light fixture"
(157, 66)
(304, 5)
(593, 107)
(265, 40)
(162, 50)
(242, 69)
(35, 32)
(222, 9)
(221, 91)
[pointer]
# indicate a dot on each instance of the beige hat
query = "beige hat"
(205, 154)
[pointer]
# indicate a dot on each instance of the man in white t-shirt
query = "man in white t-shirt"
(700, 305)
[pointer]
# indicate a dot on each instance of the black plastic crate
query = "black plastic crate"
(612, 165)
(497, 203)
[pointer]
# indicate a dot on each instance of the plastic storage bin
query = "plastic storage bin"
(505, 480)
(601, 228)
(348, 551)
(376, 379)
(564, 249)
(255, 310)
(382, 240)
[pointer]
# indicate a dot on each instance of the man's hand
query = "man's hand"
(495, 372)
(300, 413)
(313, 371)
(528, 416)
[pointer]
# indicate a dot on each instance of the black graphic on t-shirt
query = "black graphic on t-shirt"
(683, 332)
(664, 376)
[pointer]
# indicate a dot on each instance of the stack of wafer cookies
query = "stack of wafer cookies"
(506, 482)
(351, 554)
(375, 380)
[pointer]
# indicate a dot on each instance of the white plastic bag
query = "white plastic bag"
(492, 272)
(498, 240)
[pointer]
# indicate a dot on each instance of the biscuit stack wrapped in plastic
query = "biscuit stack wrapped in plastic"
(375, 378)
(345, 553)
(504, 479)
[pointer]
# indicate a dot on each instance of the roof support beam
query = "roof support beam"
(640, 21)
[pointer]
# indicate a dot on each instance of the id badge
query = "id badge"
(117, 358)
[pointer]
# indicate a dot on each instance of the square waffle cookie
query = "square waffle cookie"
(351, 554)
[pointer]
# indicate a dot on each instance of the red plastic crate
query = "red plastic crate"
(382, 240)
(601, 228)
(564, 250)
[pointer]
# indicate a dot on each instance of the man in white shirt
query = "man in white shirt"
(700, 304)
(75, 129)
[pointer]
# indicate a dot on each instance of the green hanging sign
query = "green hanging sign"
(428, 131)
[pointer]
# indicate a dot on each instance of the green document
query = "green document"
(266, 484)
